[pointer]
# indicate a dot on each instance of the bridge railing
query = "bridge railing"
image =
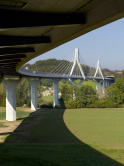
(40, 73)
(31, 73)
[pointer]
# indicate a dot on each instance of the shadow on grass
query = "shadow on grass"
(43, 139)
(6, 133)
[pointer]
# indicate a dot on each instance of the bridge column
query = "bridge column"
(104, 87)
(56, 91)
(10, 86)
(104, 84)
(34, 84)
(98, 87)
(108, 84)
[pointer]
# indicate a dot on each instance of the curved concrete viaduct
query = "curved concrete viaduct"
(29, 28)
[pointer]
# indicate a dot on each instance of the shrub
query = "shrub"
(91, 106)
(72, 104)
(80, 104)
(122, 105)
(110, 104)
(100, 104)
(106, 104)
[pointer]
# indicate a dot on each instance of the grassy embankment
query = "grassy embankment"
(55, 137)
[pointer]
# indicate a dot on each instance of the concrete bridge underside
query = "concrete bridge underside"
(29, 28)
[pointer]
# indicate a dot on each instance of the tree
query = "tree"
(2, 95)
(114, 94)
(77, 97)
(85, 95)
(67, 92)
(120, 84)
(23, 93)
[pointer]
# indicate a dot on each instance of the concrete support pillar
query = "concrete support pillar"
(104, 87)
(34, 84)
(104, 84)
(107, 84)
(56, 91)
(10, 86)
(98, 87)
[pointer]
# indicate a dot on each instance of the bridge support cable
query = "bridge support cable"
(68, 69)
(34, 84)
(10, 85)
(63, 68)
(58, 68)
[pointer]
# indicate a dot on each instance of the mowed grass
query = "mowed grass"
(103, 127)
(20, 112)
(75, 137)
(88, 82)
(48, 98)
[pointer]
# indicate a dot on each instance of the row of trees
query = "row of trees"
(77, 97)
(85, 96)
(72, 96)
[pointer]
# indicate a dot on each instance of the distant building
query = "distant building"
(119, 72)
(107, 73)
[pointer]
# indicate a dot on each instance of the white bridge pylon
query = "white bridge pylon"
(98, 72)
(77, 66)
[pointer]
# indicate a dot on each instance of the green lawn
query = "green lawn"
(48, 98)
(103, 127)
(90, 83)
(78, 137)
(20, 112)
(86, 82)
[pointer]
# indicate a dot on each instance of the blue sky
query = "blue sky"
(105, 44)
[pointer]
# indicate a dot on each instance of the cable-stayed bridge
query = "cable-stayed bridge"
(66, 70)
